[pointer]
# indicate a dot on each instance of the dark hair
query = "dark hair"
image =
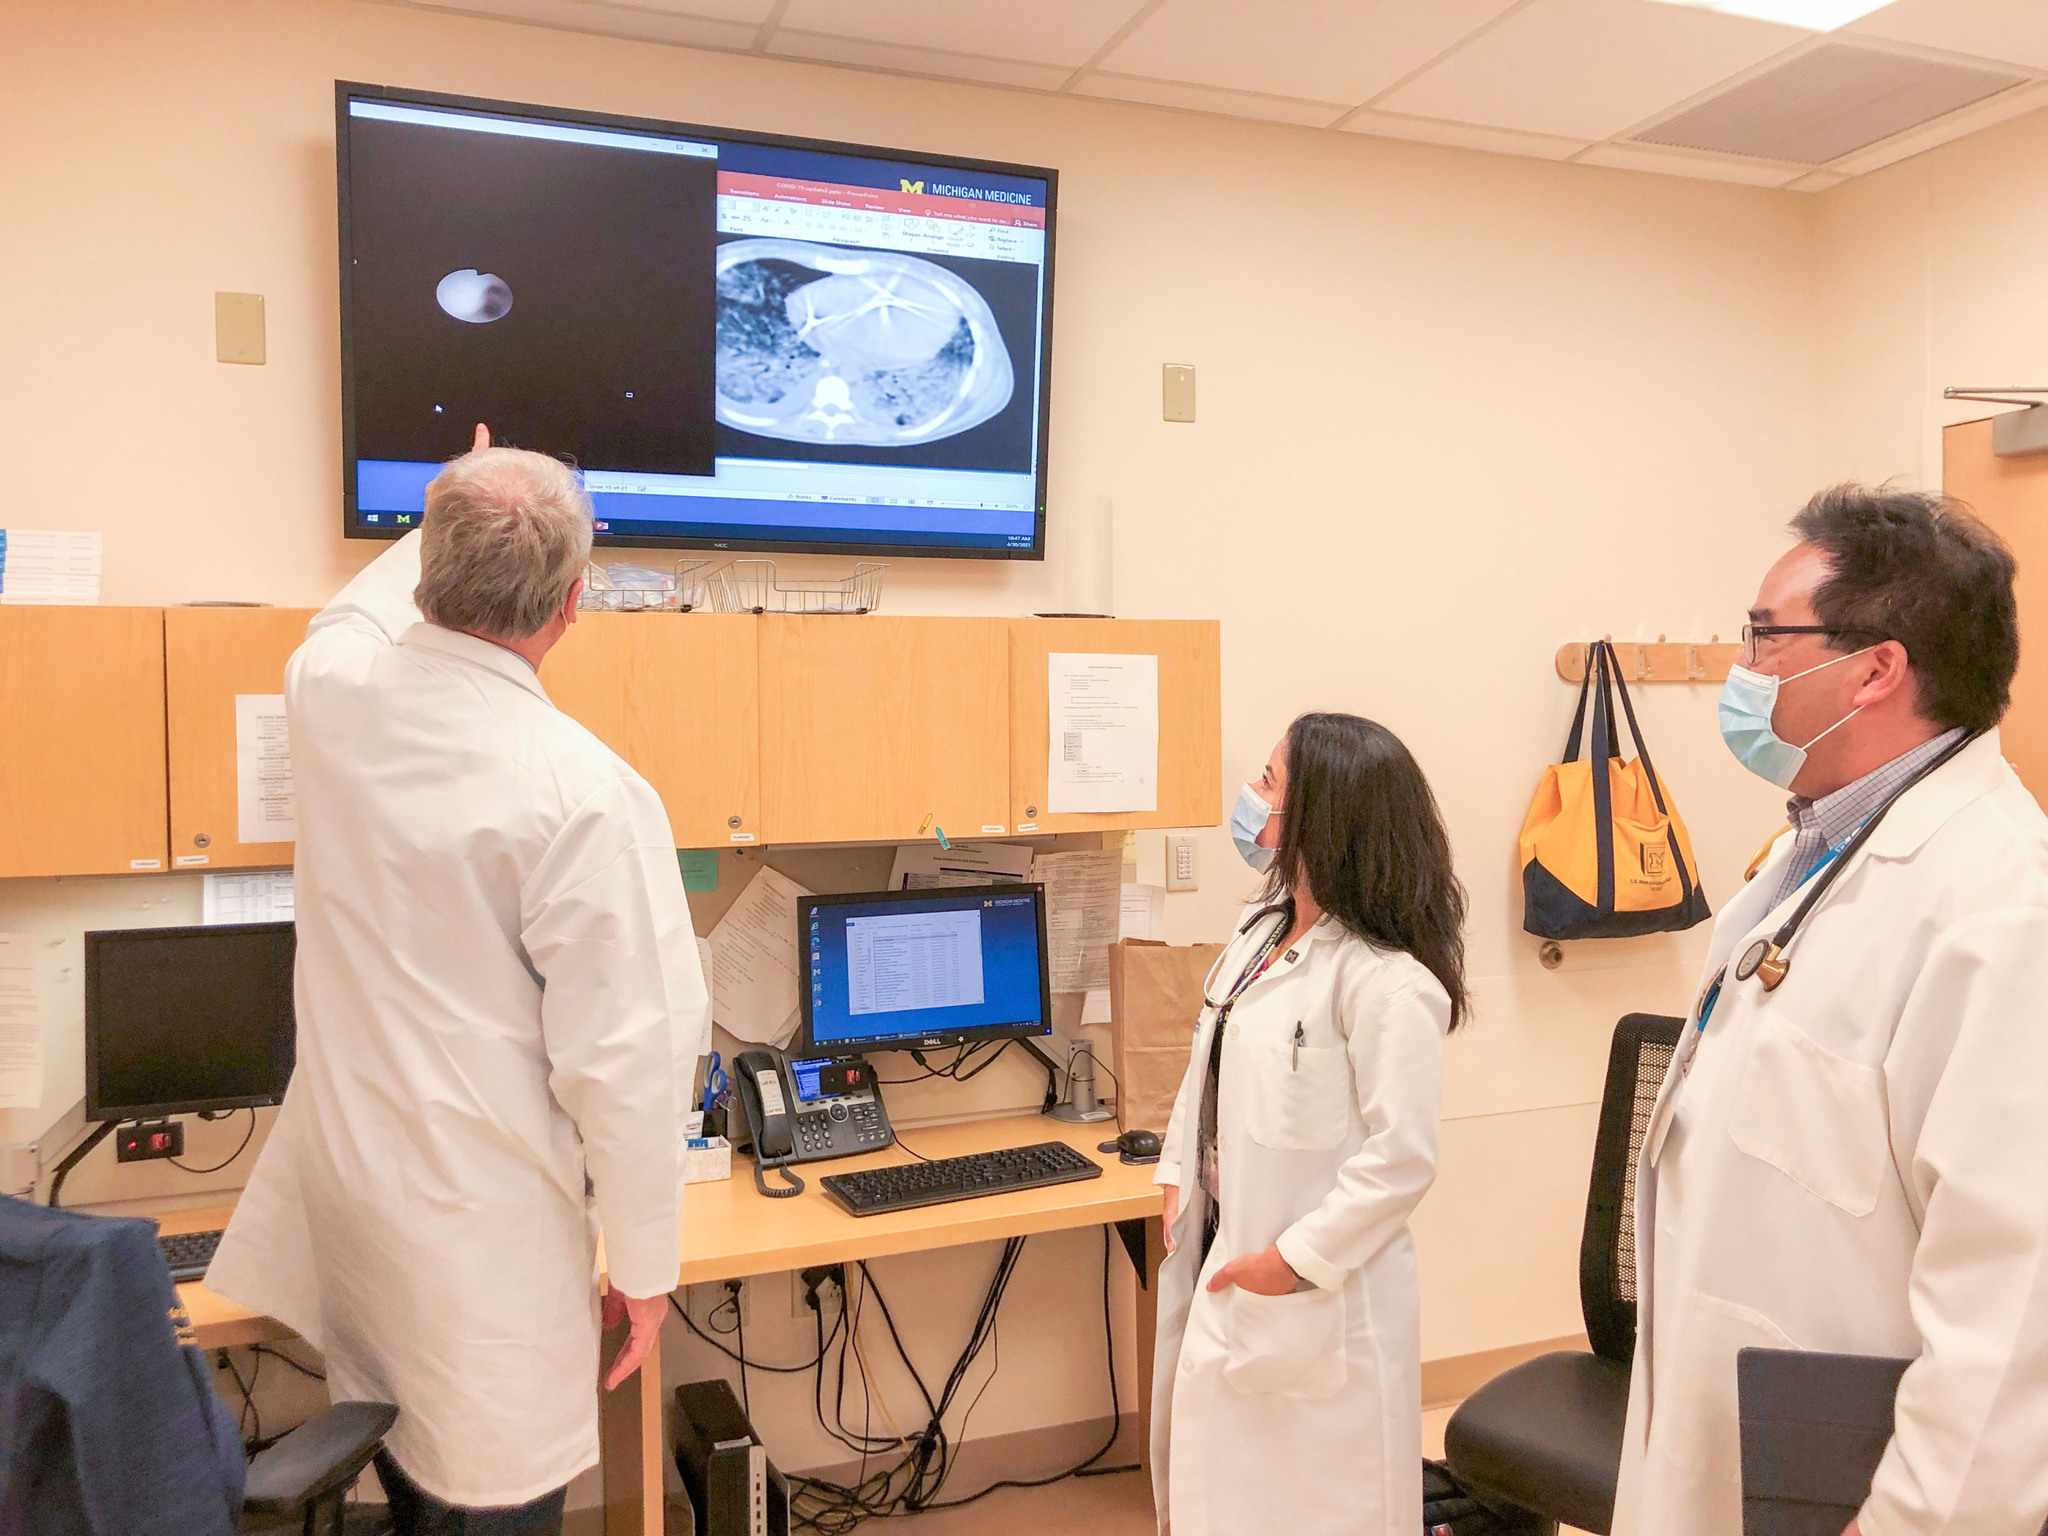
(1918, 568)
(1359, 820)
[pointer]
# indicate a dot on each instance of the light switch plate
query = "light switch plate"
(238, 327)
(1183, 871)
(1177, 392)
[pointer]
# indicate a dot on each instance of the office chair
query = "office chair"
(1547, 1435)
(112, 1421)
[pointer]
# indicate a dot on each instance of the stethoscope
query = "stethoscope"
(1766, 959)
(1282, 909)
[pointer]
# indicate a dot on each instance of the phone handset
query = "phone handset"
(765, 1102)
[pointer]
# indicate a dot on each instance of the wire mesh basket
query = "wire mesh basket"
(623, 587)
(753, 586)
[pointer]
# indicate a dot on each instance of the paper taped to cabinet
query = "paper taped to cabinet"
(266, 801)
(1102, 747)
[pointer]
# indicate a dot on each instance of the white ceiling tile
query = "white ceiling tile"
(1043, 32)
(2015, 31)
(1302, 48)
(1632, 157)
(756, 11)
(916, 61)
(708, 23)
(1589, 68)
(1429, 130)
(1202, 98)
(2000, 108)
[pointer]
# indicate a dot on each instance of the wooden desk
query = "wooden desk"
(730, 1232)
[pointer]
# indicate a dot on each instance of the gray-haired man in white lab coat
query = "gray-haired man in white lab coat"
(500, 1013)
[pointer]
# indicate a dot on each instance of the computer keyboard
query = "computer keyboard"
(188, 1253)
(872, 1191)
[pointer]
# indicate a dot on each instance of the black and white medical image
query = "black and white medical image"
(838, 353)
(477, 297)
(561, 292)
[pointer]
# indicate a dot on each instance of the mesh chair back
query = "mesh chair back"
(1636, 1064)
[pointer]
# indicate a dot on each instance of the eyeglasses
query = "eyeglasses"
(1752, 634)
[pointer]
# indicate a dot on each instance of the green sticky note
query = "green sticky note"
(700, 868)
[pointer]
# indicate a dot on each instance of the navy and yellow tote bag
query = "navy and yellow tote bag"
(1604, 853)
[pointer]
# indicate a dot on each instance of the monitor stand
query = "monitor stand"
(76, 1156)
(1082, 1106)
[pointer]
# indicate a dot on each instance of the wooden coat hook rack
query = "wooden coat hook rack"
(1657, 661)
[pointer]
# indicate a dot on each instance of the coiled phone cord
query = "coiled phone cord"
(795, 1185)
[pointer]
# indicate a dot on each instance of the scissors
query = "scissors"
(715, 1083)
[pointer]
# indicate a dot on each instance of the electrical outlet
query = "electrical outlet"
(710, 1297)
(238, 327)
(148, 1140)
(1177, 392)
(831, 1278)
(1183, 872)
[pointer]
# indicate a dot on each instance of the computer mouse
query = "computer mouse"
(1138, 1146)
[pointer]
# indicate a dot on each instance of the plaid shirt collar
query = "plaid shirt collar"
(1829, 822)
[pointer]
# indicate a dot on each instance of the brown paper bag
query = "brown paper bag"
(1155, 1001)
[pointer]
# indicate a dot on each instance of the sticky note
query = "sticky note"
(700, 868)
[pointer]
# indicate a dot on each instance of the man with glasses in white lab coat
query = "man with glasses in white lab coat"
(1850, 1152)
(500, 1013)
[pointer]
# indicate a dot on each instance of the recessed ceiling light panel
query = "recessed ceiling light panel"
(1818, 15)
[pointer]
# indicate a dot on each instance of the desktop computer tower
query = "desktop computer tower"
(734, 1488)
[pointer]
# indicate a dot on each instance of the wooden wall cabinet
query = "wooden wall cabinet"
(82, 758)
(1190, 718)
(882, 727)
(752, 728)
(210, 656)
(678, 697)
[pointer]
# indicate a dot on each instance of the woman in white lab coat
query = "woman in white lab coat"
(1288, 1394)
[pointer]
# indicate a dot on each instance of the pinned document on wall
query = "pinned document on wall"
(266, 803)
(21, 1025)
(46, 566)
(1083, 907)
(1143, 912)
(1141, 915)
(1102, 750)
(755, 963)
(927, 866)
(261, 896)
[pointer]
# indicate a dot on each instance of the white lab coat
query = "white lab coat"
(1858, 1163)
(499, 998)
(1302, 1414)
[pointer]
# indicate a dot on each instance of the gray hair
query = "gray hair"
(506, 534)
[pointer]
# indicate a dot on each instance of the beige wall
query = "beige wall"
(1933, 278)
(1456, 408)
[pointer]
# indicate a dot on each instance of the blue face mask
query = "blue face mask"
(1748, 700)
(1248, 819)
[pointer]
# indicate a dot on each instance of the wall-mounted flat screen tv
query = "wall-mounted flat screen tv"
(743, 341)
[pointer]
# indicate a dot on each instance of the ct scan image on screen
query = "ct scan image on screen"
(883, 357)
(742, 342)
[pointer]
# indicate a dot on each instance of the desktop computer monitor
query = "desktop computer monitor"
(183, 1020)
(896, 970)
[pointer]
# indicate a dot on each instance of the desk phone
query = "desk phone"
(807, 1110)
